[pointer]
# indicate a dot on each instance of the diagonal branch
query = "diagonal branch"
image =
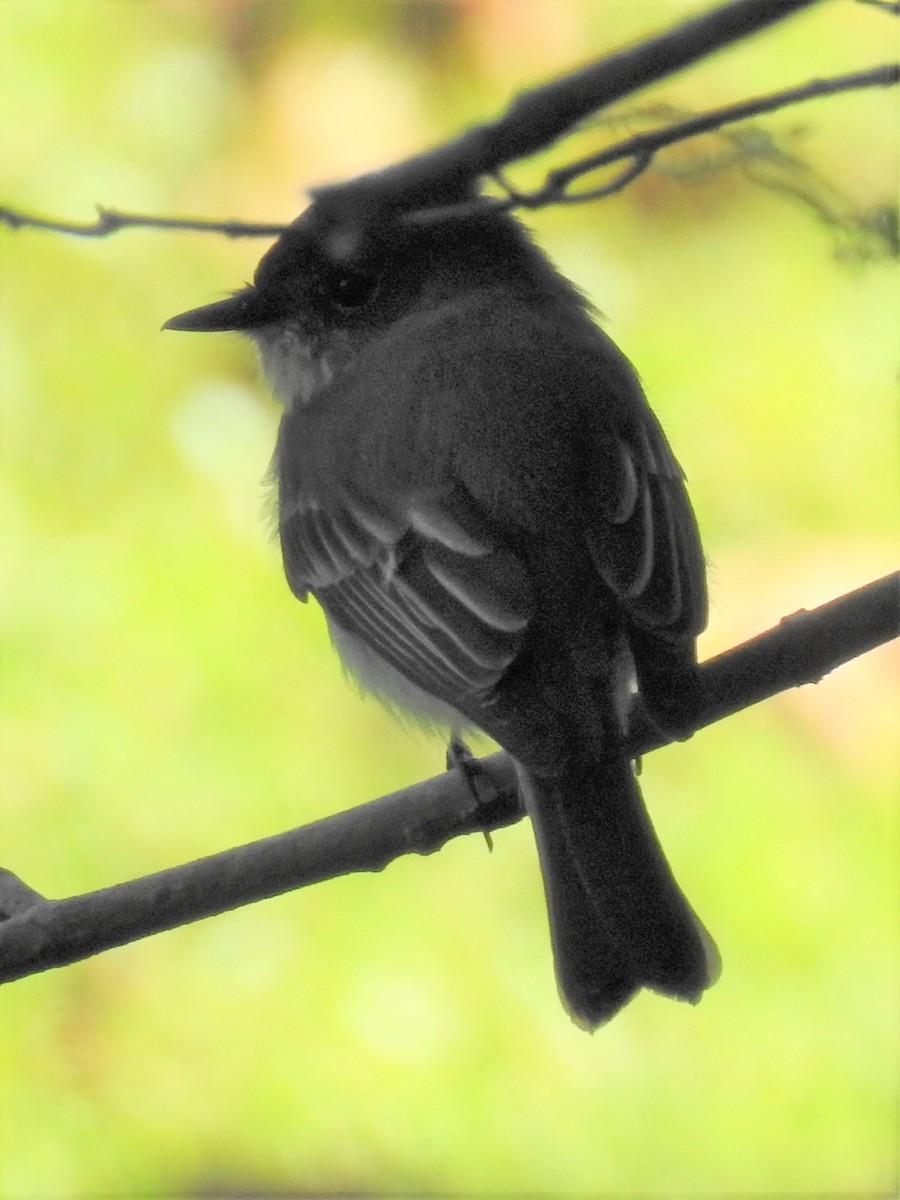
(643, 147)
(536, 119)
(40, 934)
(539, 117)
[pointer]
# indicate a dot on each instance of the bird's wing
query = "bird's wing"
(427, 587)
(640, 527)
(643, 539)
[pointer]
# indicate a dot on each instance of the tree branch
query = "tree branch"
(109, 221)
(539, 117)
(643, 147)
(40, 934)
(425, 184)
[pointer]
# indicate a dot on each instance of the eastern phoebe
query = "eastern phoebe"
(472, 485)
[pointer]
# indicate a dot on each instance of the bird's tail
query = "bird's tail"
(618, 920)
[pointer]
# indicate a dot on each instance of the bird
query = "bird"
(472, 485)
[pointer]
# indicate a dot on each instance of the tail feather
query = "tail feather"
(618, 919)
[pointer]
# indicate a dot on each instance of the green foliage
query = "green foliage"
(164, 696)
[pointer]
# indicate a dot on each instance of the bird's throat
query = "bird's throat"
(294, 368)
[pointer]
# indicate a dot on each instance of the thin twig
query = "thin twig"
(644, 146)
(109, 221)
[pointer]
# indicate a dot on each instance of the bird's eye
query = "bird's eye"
(352, 289)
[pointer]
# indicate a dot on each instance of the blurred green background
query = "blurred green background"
(163, 696)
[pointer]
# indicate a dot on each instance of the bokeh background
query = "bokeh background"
(164, 697)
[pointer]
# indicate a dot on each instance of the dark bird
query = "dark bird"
(472, 485)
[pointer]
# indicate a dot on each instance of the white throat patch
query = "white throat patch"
(294, 370)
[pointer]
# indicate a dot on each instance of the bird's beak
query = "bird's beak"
(245, 310)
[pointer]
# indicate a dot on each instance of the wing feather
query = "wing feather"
(432, 593)
(386, 628)
(644, 541)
